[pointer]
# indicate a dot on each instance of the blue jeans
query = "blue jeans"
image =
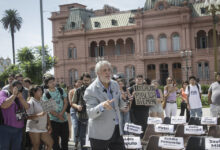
(74, 120)
(10, 138)
(82, 126)
(125, 118)
(194, 112)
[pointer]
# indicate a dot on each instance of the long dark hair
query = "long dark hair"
(34, 89)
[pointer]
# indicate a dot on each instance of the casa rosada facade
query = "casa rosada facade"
(146, 41)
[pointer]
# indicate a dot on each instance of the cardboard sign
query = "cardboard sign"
(168, 142)
(178, 120)
(145, 95)
(164, 128)
(133, 128)
(132, 142)
(193, 129)
(49, 105)
(212, 143)
(154, 120)
(209, 120)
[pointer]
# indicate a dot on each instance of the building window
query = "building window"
(97, 24)
(114, 22)
(150, 44)
(74, 53)
(96, 52)
(202, 42)
(203, 10)
(117, 49)
(73, 25)
(101, 51)
(176, 42)
(203, 70)
(132, 48)
(70, 51)
(73, 76)
(114, 70)
(92, 73)
(163, 43)
(130, 72)
(131, 20)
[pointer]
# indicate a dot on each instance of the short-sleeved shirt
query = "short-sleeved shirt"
(194, 96)
(9, 114)
(215, 89)
(39, 124)
(56, 95)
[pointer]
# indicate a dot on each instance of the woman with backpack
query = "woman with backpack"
(38, 124)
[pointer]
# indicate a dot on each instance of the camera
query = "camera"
(21, 115)
(20, 88)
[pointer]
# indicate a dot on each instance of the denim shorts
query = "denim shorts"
(194, 112)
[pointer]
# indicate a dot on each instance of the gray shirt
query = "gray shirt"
(215, 89)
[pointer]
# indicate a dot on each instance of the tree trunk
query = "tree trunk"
(13, 46)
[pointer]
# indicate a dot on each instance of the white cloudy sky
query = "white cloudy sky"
(30, 33)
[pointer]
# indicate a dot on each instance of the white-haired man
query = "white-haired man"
(103, 100)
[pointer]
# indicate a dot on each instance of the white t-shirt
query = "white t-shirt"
(39, 124)
(194, 96)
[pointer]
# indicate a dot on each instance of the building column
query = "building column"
(169, 44)
(157, 71)
(170, 69)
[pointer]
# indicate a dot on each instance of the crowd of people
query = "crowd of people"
(99, 108)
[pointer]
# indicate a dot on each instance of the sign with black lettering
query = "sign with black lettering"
(154, 120)
(49, 105)
(164, 128)
(209, 120)
(168, 142)
(132, 142)
(193, 129)
(133, 128)
(212, 143)
(178, 120)
(145, 95)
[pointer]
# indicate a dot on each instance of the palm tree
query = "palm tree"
(12, 21)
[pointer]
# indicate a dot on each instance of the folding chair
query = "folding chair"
(149, 132)
(180, 133)
(167, 120)
(196, 143)
(214, 131)
(153, 143)
(197, 121)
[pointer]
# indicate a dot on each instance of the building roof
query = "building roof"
(149, 4)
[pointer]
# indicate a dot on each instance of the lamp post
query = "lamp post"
(42, 38)
(186, 54)
(213, 6)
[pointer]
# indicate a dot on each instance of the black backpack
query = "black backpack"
(61, 93)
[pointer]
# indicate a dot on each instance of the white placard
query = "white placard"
(212, 143)
(154, 120)
(209, 120)
(132, 142)
(171, 142)
(133, 128)
(193, 129)
(48, 105)
(164, 128)
(178, 120)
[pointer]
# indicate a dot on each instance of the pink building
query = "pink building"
(146, 41)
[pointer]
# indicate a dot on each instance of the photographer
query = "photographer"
(79, 104)
(12, 105)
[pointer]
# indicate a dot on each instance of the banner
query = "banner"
(209, 120)
(145, 95)
(164, 128)
(168, 142)
(49, 105)
(132, 128)
(154, 120)
(193, 129)
(178, 120)
(212, 143)
(132, 142)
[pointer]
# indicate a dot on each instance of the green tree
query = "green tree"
(12, 21)
(30, 62)
(13, 69)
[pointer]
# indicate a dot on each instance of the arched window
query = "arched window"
(74, 53)
(114, 70)
(130, 72)
(70, 52)
(201, 40)
(150, 44)
(92, 73)
(117, 49)
(163, 43)
(176, 42)
(73, 76)
(203, 70)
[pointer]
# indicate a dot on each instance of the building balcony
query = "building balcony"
(158, 54)
(206, 51)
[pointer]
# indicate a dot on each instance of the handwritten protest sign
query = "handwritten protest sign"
(48, 105)
(145, 95)
(212, 143)
(164, 128)
(171, 142)
(133, 128)
(132, 142)
(178, 120)
(193, 129)
(154, 120)
(209, 120)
